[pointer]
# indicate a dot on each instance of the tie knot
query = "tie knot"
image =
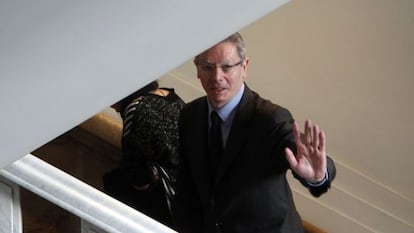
(215, 118)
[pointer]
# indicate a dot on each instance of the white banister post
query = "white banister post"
(10, 211)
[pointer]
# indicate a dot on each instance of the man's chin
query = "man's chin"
(217, 96)
(219, 93)
(218, 101)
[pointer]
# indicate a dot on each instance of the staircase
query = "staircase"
(85, 153)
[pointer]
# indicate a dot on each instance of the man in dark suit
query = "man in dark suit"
(242, 187)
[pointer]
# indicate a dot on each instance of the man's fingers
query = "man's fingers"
(322, 141)
(291, 158)
(316, 140)
(296, 132)
(308, 132)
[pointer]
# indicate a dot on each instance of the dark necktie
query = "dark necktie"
(215, 141)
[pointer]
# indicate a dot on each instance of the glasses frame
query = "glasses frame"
(209, 67)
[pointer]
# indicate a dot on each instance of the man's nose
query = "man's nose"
(217, 73)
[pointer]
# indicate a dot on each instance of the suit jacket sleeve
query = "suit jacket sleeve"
(283, 132)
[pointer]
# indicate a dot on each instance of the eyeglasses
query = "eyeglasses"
(209, 67)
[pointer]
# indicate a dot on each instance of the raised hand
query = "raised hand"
(310, 159)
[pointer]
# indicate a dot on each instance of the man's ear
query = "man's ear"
(246, 62)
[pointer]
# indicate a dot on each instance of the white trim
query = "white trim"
(10, 211)
(79, 198)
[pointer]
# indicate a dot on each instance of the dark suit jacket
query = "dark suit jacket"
(250, 193)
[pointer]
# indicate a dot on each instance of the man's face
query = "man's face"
(221, 72)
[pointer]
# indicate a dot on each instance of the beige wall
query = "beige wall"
(349, 66)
